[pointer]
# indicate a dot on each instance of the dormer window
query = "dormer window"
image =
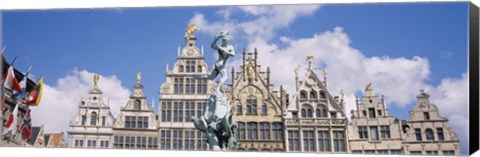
(180, 68)
(313, 95)
(371, 113)
(426, 115)
(429, 134)
(303, 95)
(307, 111)
(93, 118)
(322, 95)
(136, 105)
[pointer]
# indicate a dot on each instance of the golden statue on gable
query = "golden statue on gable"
(96, 78)
(190, 29)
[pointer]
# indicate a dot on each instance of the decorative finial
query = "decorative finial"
(310, 58)
(139, 77)
(96, 78)
(342, 94)
(325, 72)
(369, 89)
(190, 29)
(297, 69)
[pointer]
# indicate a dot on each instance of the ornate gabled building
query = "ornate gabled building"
(427, 132)
(54, 140)
(92, 127)
(181, 97)
(315, 121)
(257, 107)
(136, 125)
(372, 130)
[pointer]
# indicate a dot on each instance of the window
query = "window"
(103, 121)
(239, 109)
(371, 113)
(385, 132)
(93, 118)
(188, 82)
(145, 122)
(373, 133)
(189, 140)
(252, 106)
(241, 131)
(104, 144)
(118, 141)
(180, 68)
(396, 152)
(303, 95)
(431, 152)
(339, 141)
(78, 143)
(178, 85)
(369, 151)
(190, 66)
(313, 95)
(357, 152)
(83, 120)
(165, 139)
(202, 86)
(379, 112)
(321, 112)
(277, 131)
(178, 111)
(293, 140)
(91, 143)
(252, 131)
(189, 110)
(382, 151)
(415, 152)
(166, 111)
(200, 107)
(418, 134)
(362, 132)
(448, 152)
(440, 135)
(265, 131)
(322, 95)
(133, 123)
(309, 141)
(201, 140)
(264, 109)
(307, 111)
(199, 68)
(333, 115)
(429, 134)
(136, 105)
(426, 115)
(323, 141)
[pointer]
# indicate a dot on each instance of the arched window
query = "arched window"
(180, 68)
(322, 95)
(199, 68)
(136, 104)
(313, 95)
(303, 95)
(321, 112)
(264, 109)
(307, 111)
(93, 118)
(429, 134)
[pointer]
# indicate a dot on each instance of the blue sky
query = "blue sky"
(122, 42)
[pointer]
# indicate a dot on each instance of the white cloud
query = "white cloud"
(59, 103)
(399, 79)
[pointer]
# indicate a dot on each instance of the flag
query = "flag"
(26, 127)
(10, 81)
(23, 85)
(36, 94)
(11, 125)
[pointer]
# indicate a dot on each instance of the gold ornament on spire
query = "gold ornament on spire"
(139, 77)
(96, 78)
(190, 29)
(310, 58)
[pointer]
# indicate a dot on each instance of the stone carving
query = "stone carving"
(217, 118)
